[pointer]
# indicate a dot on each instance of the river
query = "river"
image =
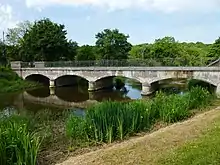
(77, 98)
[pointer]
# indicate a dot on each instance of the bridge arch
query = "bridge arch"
(38, 78)
(194, 78)
(109, 82)
(70, 80)
(115, 75)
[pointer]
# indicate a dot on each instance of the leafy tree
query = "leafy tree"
(85, 53)
(166, 51)
(215, 49)
(46, 41)
(112, 44)
(142, 51)
(15, 35)
(72, 48)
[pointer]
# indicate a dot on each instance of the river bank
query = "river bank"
(56, 128)
(11, 82)
(183, 143)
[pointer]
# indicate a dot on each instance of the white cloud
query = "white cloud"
(6, 17)
(150, 5)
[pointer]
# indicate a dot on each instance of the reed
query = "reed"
(18, 145)
(110, 121)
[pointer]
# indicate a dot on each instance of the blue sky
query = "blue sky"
(143, 20)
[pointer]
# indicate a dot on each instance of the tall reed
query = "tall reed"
(110, 121)
(17, 144)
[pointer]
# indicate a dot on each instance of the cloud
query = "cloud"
(6, 17)
(166, 6)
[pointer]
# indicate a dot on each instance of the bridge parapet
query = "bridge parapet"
(149, 62)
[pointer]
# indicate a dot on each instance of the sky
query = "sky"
(143, 20)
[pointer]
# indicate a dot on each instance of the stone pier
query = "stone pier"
(146, 89)
(101, 84)
(217, 91)
(52, 84)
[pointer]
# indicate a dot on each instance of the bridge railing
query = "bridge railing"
(151, 62)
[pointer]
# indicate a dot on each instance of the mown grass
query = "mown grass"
(205, 150)
(11, 82)
(110, 121)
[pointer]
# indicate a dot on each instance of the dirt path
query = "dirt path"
(147, 149)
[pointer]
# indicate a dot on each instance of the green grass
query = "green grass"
(111, 121)
(205, 150)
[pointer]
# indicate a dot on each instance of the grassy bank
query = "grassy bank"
(194, 141)
(11, 82)
(63, 132)
(203, 150)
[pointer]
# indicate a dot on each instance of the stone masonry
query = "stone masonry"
(147, 76)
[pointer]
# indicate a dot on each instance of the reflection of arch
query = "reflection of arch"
(39, 92)
(71, 94)
(38, 78)
(70, 80)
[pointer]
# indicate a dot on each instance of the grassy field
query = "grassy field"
(195, 141)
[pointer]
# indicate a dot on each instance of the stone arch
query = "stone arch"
(38, 78)
(68, 79)
(106, 82)
(115, 75)
(195, 78)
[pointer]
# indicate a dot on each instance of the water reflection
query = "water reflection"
(66, 97)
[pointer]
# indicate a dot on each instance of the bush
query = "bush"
(8, 74)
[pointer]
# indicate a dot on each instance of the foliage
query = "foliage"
(15, 35)
(11, 82)
(119, 82)
(110, 121)
(215, 49)
(86, 53)
(18, 145)
(167, 51)
(111, 44)
(47, 41)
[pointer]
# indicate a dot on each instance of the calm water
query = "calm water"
(70, 97)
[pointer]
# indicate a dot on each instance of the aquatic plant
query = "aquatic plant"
(18, 145)
(110, 121)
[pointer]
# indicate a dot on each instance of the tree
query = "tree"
(166, 50)
(46, 41)
(112, 44)
(215, 49)
(86, 53)
(140, 52)
(15, 35)
(3, 58)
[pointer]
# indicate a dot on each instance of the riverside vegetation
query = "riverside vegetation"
(11, 82)
(106, 122)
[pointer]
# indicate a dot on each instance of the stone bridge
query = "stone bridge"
(99, 77)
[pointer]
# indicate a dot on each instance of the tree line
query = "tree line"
(44, 40)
